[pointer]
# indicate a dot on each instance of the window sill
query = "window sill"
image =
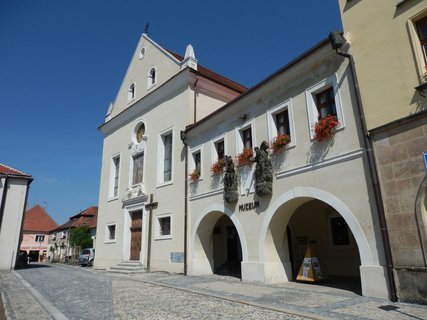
(110, 241)
(168, 237)
(164, 184)
(112, 199)
(151, 86)
(130, 101)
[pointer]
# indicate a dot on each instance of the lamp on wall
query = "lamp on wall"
(337, 40)
(183, 135)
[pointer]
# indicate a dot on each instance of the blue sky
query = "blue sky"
(62, 62)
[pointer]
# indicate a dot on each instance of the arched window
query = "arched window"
(152, 77)
(131, 92)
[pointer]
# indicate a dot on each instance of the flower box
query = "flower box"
(218, 167)
(244, 158)
(195, 175)
(325, 128)
(279, 143)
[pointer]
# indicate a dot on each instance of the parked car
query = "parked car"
(87, 256)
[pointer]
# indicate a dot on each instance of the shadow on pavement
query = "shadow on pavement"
(33, 266)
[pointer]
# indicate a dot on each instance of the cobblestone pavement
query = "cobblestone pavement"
(81, 293)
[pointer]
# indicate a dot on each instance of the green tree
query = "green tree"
(80, 237)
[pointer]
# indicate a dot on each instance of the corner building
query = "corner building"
(321, 191)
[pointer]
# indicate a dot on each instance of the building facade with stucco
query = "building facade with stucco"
(142, 187)
(314, 191)
(388, 43)
(14, 187)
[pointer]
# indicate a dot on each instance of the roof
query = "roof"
(207, 73)
(310, 51)
(4, 169)
(38, 220)
(87, 217)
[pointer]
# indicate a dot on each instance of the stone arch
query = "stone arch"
(200, 262)
(292, 200)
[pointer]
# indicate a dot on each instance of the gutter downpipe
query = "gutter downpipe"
(184, 141)
(3, 199)
(374, 176)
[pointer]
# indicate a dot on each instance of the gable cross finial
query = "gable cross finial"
(147, 25)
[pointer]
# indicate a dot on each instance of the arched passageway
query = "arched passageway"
(216, 246)
(304, 222)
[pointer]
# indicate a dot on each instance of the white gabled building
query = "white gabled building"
(143, 155)
(321, 191)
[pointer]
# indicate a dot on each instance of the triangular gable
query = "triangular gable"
(154, 56)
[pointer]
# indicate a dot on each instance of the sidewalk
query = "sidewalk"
(306, 300)
(21, 301)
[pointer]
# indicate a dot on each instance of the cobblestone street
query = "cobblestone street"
(66, 292)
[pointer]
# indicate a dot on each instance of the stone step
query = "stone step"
(127, 268)
(121, 271)
(130, 263)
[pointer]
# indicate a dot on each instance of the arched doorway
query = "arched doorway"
(303, 221)
(217, 245)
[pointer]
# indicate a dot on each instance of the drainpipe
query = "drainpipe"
(337, 41)
(184, 141)
(3, 199)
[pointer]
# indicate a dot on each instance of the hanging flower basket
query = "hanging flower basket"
(325, 128)
(244, 158)
(218, 167)
(195, 175)
(279, 143)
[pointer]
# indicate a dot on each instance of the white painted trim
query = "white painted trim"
(238, 131)
(214, 154)
(107, 233)
(193, 163)
(206, 194)
(330, 161)
(271, 124)
(314, 193)
(151, 84)
(157, 235)
(132, 98)
(310, 93)
(161, 154)
(112, 172)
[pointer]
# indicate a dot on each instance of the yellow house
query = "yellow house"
(388, 41)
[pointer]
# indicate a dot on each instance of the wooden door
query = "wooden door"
(135, 235)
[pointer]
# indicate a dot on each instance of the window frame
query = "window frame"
(111, 195)
(331, 234)
(239, 137)
(421, 42)
(150, 82)
(311, 102)
(161, 157)
(132, 166)
(271, 122)
(108, 233)
(157, 235)
(42, 236)
(214, 153)
(131, 93)
(420, 59)
(193, 151)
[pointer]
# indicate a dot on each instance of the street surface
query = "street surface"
(54, 291)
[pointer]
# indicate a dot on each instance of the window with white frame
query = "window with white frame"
(164, 226)
(324, 99)
(114, 176)
(152, 77)
(131, 92)
(220, 149)
(110, 235)
(280, 122)
(39, 238)
(54, 236)
(63, 234)
(421, 27)
(138, 168)
(245, 136)
(197, 161)
(165, 157)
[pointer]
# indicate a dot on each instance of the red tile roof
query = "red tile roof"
(38, 220)
(4, 169)
(207, 73)
(87, 217)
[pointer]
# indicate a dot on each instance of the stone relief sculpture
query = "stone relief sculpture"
(230, 181)
(263, 170)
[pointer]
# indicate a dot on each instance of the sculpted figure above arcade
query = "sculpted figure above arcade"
(230, 181)
(263, 170)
